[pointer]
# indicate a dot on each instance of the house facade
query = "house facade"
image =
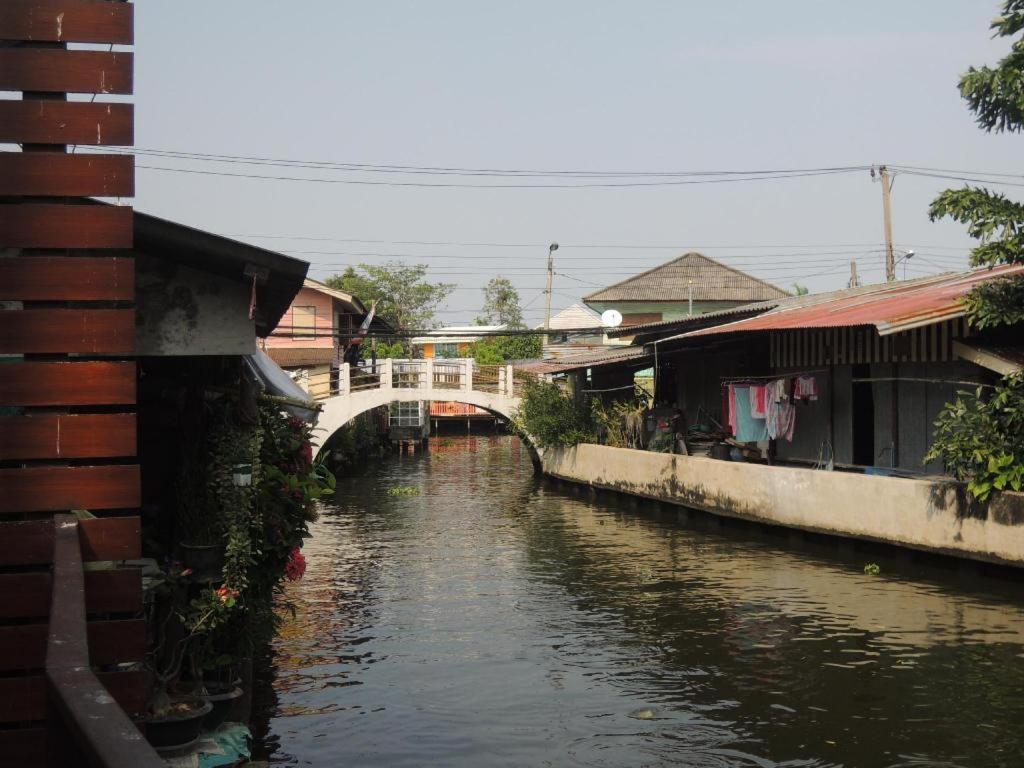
(314, 332)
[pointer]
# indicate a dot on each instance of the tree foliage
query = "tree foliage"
(404, 297)
(501, 304)
(494, 350)
(981, 440)
(549, 416)
(996, 97)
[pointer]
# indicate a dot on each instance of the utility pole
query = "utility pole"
(854, 282)
(551, 272)
(890, 259)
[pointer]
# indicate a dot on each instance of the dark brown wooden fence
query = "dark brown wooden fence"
(67, 424)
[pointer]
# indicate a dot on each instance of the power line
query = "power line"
(465, 185)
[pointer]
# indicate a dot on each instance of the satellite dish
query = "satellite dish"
(611, 318)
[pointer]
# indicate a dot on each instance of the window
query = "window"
(446, 350)
(303, 322)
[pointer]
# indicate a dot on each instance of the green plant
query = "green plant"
(996, 97)
(872, 569)
(981, 439)
(548, 416)
(404, 490)
(622, 422)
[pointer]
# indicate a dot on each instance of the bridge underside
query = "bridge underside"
(341, 409)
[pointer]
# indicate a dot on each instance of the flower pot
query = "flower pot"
(205, 560)
(180, 727)
(241, 475)
(221, 703)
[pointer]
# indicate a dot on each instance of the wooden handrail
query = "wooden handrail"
(79, 707)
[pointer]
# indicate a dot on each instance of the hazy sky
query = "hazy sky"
(587, 85)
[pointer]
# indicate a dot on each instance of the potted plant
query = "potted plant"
(175, 718)
(200, 527)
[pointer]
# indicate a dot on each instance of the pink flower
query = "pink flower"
(296, 565)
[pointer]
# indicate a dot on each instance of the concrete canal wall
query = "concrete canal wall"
(921, 514)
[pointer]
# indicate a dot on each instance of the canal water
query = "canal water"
(489, 618)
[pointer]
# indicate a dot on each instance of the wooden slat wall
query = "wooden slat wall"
(67, 122)
(67, 421)
(809, 348)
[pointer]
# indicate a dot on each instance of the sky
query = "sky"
(581, 85)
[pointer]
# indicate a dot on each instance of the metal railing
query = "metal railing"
(450, 375)
(85, 726)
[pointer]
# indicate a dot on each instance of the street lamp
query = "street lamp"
(907, 256)
(551, 271)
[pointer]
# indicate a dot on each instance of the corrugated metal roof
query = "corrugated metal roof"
(890, 307)
(711, 281)
(706, 318)
(595, 359)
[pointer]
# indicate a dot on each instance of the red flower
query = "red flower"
(296, 565)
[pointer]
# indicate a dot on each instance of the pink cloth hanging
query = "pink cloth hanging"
(758, 401)
(805, 388)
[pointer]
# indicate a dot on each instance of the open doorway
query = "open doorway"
(863, 417)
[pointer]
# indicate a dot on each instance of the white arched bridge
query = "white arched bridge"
(355, 389)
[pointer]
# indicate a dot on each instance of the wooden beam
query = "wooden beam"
(48, 225)
(34, 121)
(56, 174)
(27, 595)
(70, 383)
(67, 278)
(84, 331)
(110, 538)
(56, 70)
(67, 21)
(56, 488)
(67, 435)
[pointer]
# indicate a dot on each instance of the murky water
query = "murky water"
(494, 620)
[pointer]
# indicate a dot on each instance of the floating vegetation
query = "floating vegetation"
(872, 569)
(404, 490)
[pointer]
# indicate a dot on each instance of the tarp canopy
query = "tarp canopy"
(275, 381)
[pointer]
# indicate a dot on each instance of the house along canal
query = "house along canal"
(488, 618)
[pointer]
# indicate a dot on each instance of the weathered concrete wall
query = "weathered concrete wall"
(914, 513)
(184, 311)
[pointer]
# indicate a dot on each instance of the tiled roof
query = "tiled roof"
(574, 317)
(711, 281)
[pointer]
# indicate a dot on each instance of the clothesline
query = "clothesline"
(786, 375)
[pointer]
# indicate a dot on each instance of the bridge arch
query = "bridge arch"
(405, 381)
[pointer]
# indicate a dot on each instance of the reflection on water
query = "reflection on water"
(493, 620)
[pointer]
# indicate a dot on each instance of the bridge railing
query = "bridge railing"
(447, 375)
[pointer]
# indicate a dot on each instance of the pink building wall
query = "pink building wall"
(307, 297)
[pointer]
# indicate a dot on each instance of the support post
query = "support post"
(890, 260)
(429, 370)
(467, 375)
(510, 381)
(386, 381)
(344, 378)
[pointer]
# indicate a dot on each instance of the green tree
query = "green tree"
(800, 290)
(550, 416)
(996, 97)
(981, 439)
(494, 350)
(501, 304)
(404, 297)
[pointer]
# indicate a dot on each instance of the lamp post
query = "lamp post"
(547, 315)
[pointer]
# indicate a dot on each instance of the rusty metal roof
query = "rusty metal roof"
(711, 281)
(890, 307)
(595, 359)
